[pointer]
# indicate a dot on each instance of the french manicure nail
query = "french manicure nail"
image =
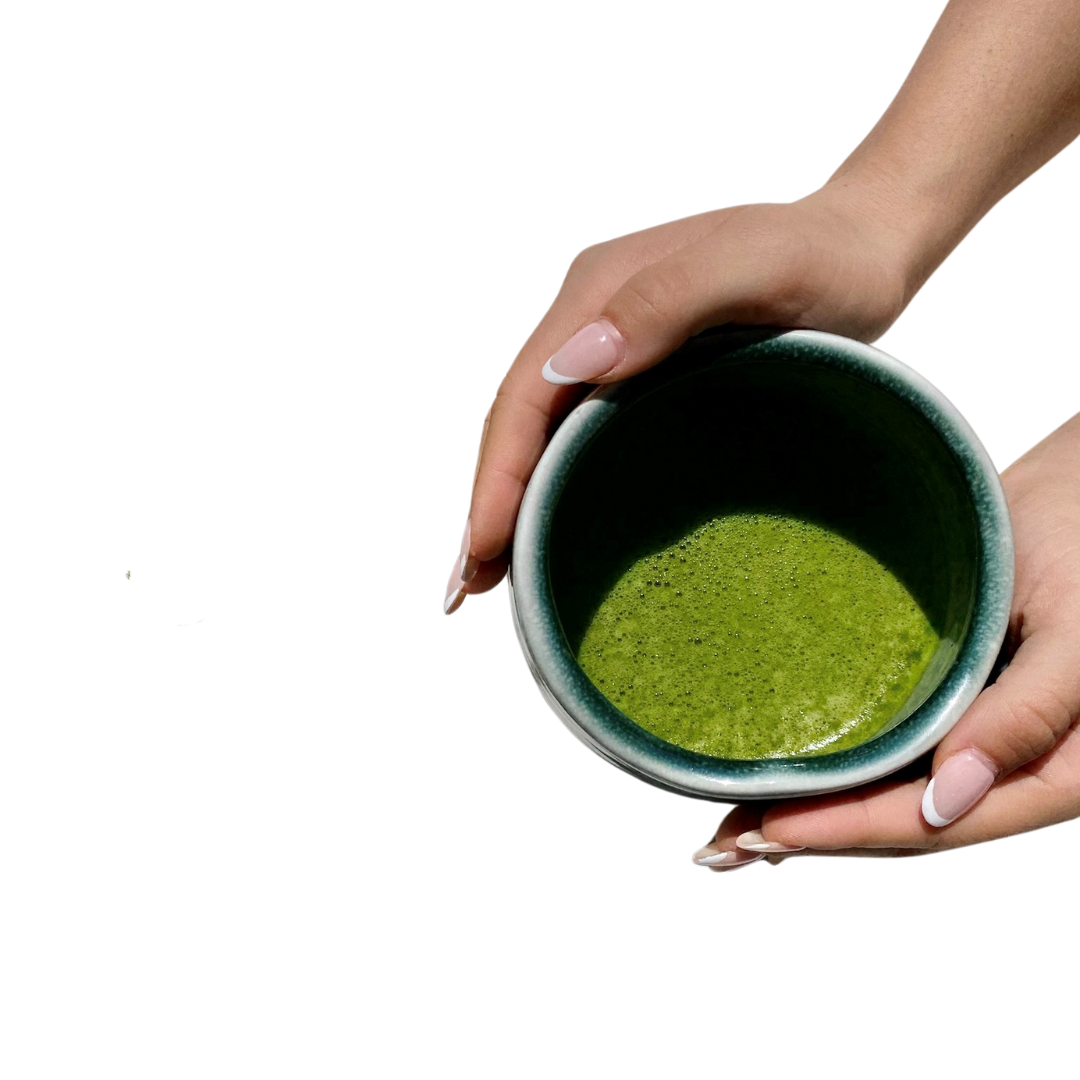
(593, 351)
(720, 862)
(468, 565)
(711, 855)
(754, 841)
(957, 786)
(742, 863)
(453, 595)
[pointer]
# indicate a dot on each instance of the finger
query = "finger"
(881, 816)
(885, 817)
(466, 568)
(516, 430)
(754, 840)
(721, 852)
(466, 565)
(523, 416)
(527, 408)
(485, 575)
(708, 283)
(1015, 721)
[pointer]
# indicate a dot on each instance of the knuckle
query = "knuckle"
(806, 277)
(784, 270)
(595, 273)
(1032, 725)
(589, 260)
(660, 295)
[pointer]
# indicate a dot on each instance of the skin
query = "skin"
(1028, 719)
(994, 94)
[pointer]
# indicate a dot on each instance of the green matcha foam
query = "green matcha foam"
(758, 635)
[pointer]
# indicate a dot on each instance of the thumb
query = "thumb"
(662, 305)
(1018, 719)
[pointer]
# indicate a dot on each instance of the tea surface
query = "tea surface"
(758, 636)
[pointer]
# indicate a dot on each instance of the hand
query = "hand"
(831, 261)
(1012, 763)
(994, 94)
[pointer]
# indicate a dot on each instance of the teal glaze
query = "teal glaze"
(969, 588)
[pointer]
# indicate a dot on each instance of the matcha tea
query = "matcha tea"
(758, 635)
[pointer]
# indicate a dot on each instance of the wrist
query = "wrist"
(914, 231)
(993, 96)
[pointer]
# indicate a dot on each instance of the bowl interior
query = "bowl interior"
(770, 434)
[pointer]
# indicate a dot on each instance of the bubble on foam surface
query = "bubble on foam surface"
(774, 637)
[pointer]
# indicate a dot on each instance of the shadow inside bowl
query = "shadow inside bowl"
(772, 436)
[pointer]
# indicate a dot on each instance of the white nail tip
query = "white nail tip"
(929, 811)
(451, 600)
(714, 860)
(552, 376)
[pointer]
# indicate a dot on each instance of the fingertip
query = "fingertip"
(455, 585)
(959, 783)
(745, 859)
(594, 351)
(1017, 719)
(483, 576)
(712, 855)
(453, 601)
(469, 565)
(755, 840)
(488, 575)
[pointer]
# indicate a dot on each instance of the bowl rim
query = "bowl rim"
(601, 726)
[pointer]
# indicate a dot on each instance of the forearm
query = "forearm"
(993, 96)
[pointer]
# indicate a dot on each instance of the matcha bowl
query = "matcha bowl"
(715, 559)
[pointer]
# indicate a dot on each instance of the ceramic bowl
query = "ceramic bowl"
(801, 421)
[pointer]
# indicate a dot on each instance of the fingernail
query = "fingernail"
(593, 351)
(742, 863)
(720, 862)
(710, 855)
(453, 595)
(468, 565)
(754, 841)
(957, 786)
